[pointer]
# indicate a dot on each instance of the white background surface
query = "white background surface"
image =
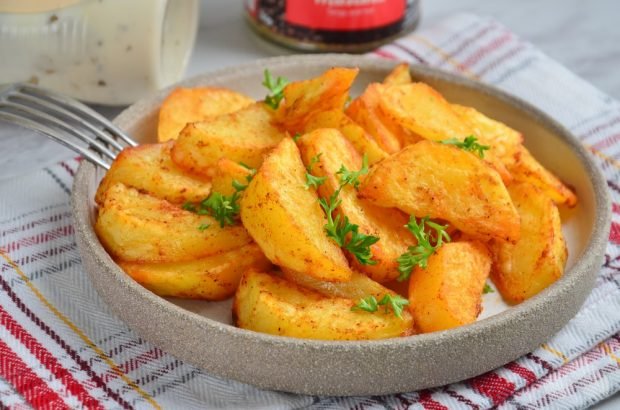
(583, 35)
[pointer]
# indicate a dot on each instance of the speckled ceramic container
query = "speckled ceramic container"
(200, 333)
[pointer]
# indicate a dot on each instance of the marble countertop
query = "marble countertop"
(584, 36)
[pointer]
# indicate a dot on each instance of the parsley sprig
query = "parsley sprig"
(487, 289)
(276, 88)
(311, 180)
(470, 144)
(418, 255)
(339, 229)
(352, 177)
(223, 208)
(370, 304)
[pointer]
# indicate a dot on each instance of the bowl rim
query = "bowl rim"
(589, 259)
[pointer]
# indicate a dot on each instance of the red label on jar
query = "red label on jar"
(344, 15)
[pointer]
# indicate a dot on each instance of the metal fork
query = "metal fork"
(64, 120)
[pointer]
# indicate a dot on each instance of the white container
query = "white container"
(100, 51)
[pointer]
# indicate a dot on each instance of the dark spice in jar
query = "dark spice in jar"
(332, 25)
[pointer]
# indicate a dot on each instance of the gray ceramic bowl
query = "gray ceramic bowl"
(200, 333)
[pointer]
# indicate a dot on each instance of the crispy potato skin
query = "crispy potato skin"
(265, 303)
(227, 171)
(360, 285)
(444, 182)
(149, 168)
(399, 75)
(503, 140)
(425, 113)
(527, 169)
(356, 135)
(303, 99)
(387, 224)
(186, 105)
(214, 277)
(244, 136)
(448, 292)
(538, 259)
(135, 227)
(271, 207)
(364, 110)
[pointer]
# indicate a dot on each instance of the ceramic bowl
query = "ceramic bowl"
(200, 332)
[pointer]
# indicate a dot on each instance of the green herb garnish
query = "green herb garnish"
(311, 180)
(468, 144)
(276, 88)
(344, 233)
(224, 208)
(418, 255)
(352, 177)
(296, 136)
(487, 289)
(370, 304)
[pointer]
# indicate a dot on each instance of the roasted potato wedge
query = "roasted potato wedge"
(214, 277)
(360, 285)
(445, 182)
(363, 143)
(399, 75)
(149, 168)
(286, 221)
(422, 110)
(448, 293)
(538, 259)
(334, 151)
(136, 227)
(303, 99)
(242, 136)
(503, 140)
(268, 304)
(185, 105)
(426, 114)
(527, 169)
(226, 172)
(364, 110)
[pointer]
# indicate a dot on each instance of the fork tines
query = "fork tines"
(65, 120)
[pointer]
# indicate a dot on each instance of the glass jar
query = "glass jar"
(100, 51)
(332, 25)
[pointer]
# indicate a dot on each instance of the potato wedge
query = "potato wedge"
(423, 111)
(356, 135)
(360, 285)
(185, 105)
(426, 114)
(364, 110)
(135, 227)
(226, 172)
(303, 99)
(538, 259)
(448, 293)
(527, 169)
(242, 136)
(214, 277)
(445, 182)
(399, 75)
(387, 224)
(286, 221)
(149, 168)
(268, 304)
(503, 140)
